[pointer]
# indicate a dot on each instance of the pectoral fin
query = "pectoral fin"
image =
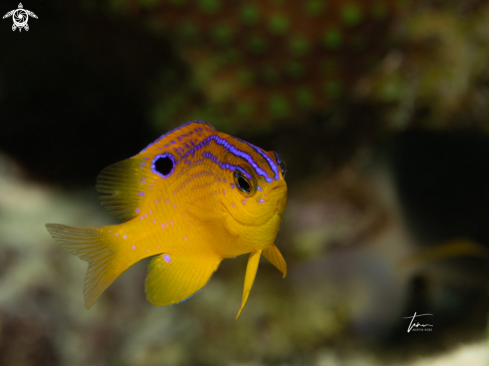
(249, 277)
(273, 255)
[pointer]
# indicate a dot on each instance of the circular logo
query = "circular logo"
(20, 18)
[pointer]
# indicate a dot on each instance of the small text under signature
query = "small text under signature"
(416, 325)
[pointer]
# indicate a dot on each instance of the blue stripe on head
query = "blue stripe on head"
(236, 152)
(233, 150)
(270, 162)
(245, 173)
(192, 148)
(276, 157)
(226, 166)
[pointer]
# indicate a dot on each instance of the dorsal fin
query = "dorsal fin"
(126, 185)
(120, 184)
(180, 140)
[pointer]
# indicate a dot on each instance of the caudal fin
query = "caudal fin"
(96, 247)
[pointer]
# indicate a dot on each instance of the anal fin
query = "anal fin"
(172, 279)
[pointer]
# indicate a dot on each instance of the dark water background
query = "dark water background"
(380, 111)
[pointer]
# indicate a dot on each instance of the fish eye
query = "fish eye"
(244, 184)
(281, 163)
(282, 166)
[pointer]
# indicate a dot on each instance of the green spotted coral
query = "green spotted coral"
(265, 60)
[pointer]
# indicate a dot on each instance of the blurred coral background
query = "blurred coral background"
(380, 110)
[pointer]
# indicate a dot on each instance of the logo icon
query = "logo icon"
(417, 326)
(20, 17)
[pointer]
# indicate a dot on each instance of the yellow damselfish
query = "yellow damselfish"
(192, 198)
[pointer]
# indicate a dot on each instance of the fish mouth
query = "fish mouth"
(244, 223)
(280, 189)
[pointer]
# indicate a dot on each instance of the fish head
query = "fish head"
(255, 196)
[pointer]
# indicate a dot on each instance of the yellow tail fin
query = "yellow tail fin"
(96, 247)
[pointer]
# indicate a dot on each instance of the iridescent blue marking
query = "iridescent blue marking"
(245, 173)
(270, 162)
(233, 150)
(276, 157)
(167, 258)
(141, 193)
(226, 166)
(220, 141)
(160, 156)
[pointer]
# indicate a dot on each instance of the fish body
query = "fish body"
(191, 199)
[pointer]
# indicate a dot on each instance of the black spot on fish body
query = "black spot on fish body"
(163, 165)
